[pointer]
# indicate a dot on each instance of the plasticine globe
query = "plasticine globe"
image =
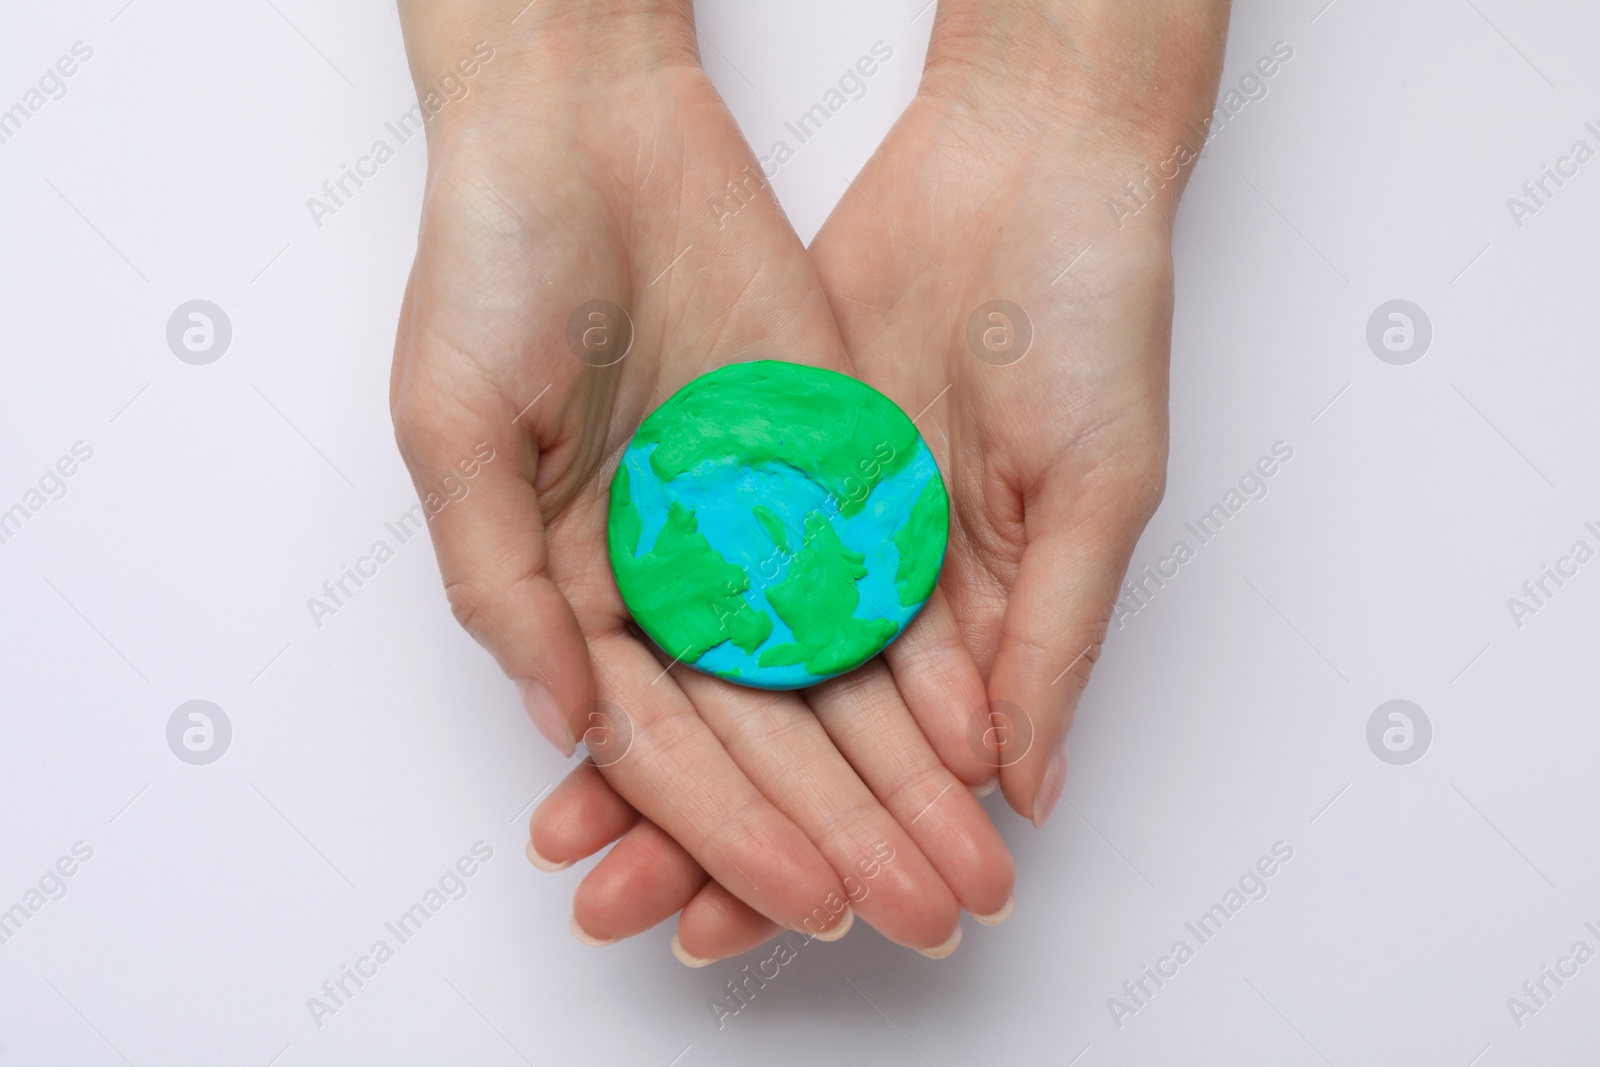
(775, 525)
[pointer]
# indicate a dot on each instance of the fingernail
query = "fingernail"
(945, 949)
(588, 938)
(839, 930)
(1000, 916)
(685, 958)
(541, 708)
(1050, 786)
(986, 788)
(542, 863)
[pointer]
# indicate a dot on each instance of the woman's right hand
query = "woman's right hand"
(586, 165)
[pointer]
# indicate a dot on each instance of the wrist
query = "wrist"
(582, 49)
(1136, 76)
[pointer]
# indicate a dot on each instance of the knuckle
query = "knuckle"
(856, 687)
(920, 792)
(768, 729)
(742, 829)
(1077, 674)
(1138, 478)
(669, 735)
(855, 827)
(410, 412)
(467, 605)
(1148, 492)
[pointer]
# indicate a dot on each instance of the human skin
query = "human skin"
(579, 167)
(996, 183)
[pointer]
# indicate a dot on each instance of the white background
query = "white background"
(1227, 715)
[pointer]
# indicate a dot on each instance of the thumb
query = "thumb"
(473, 468)
(1061, 602)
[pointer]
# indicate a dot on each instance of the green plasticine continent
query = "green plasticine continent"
(817, 421)
(920, 541)
(818, 599)
(772, 525)
(664, 588)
